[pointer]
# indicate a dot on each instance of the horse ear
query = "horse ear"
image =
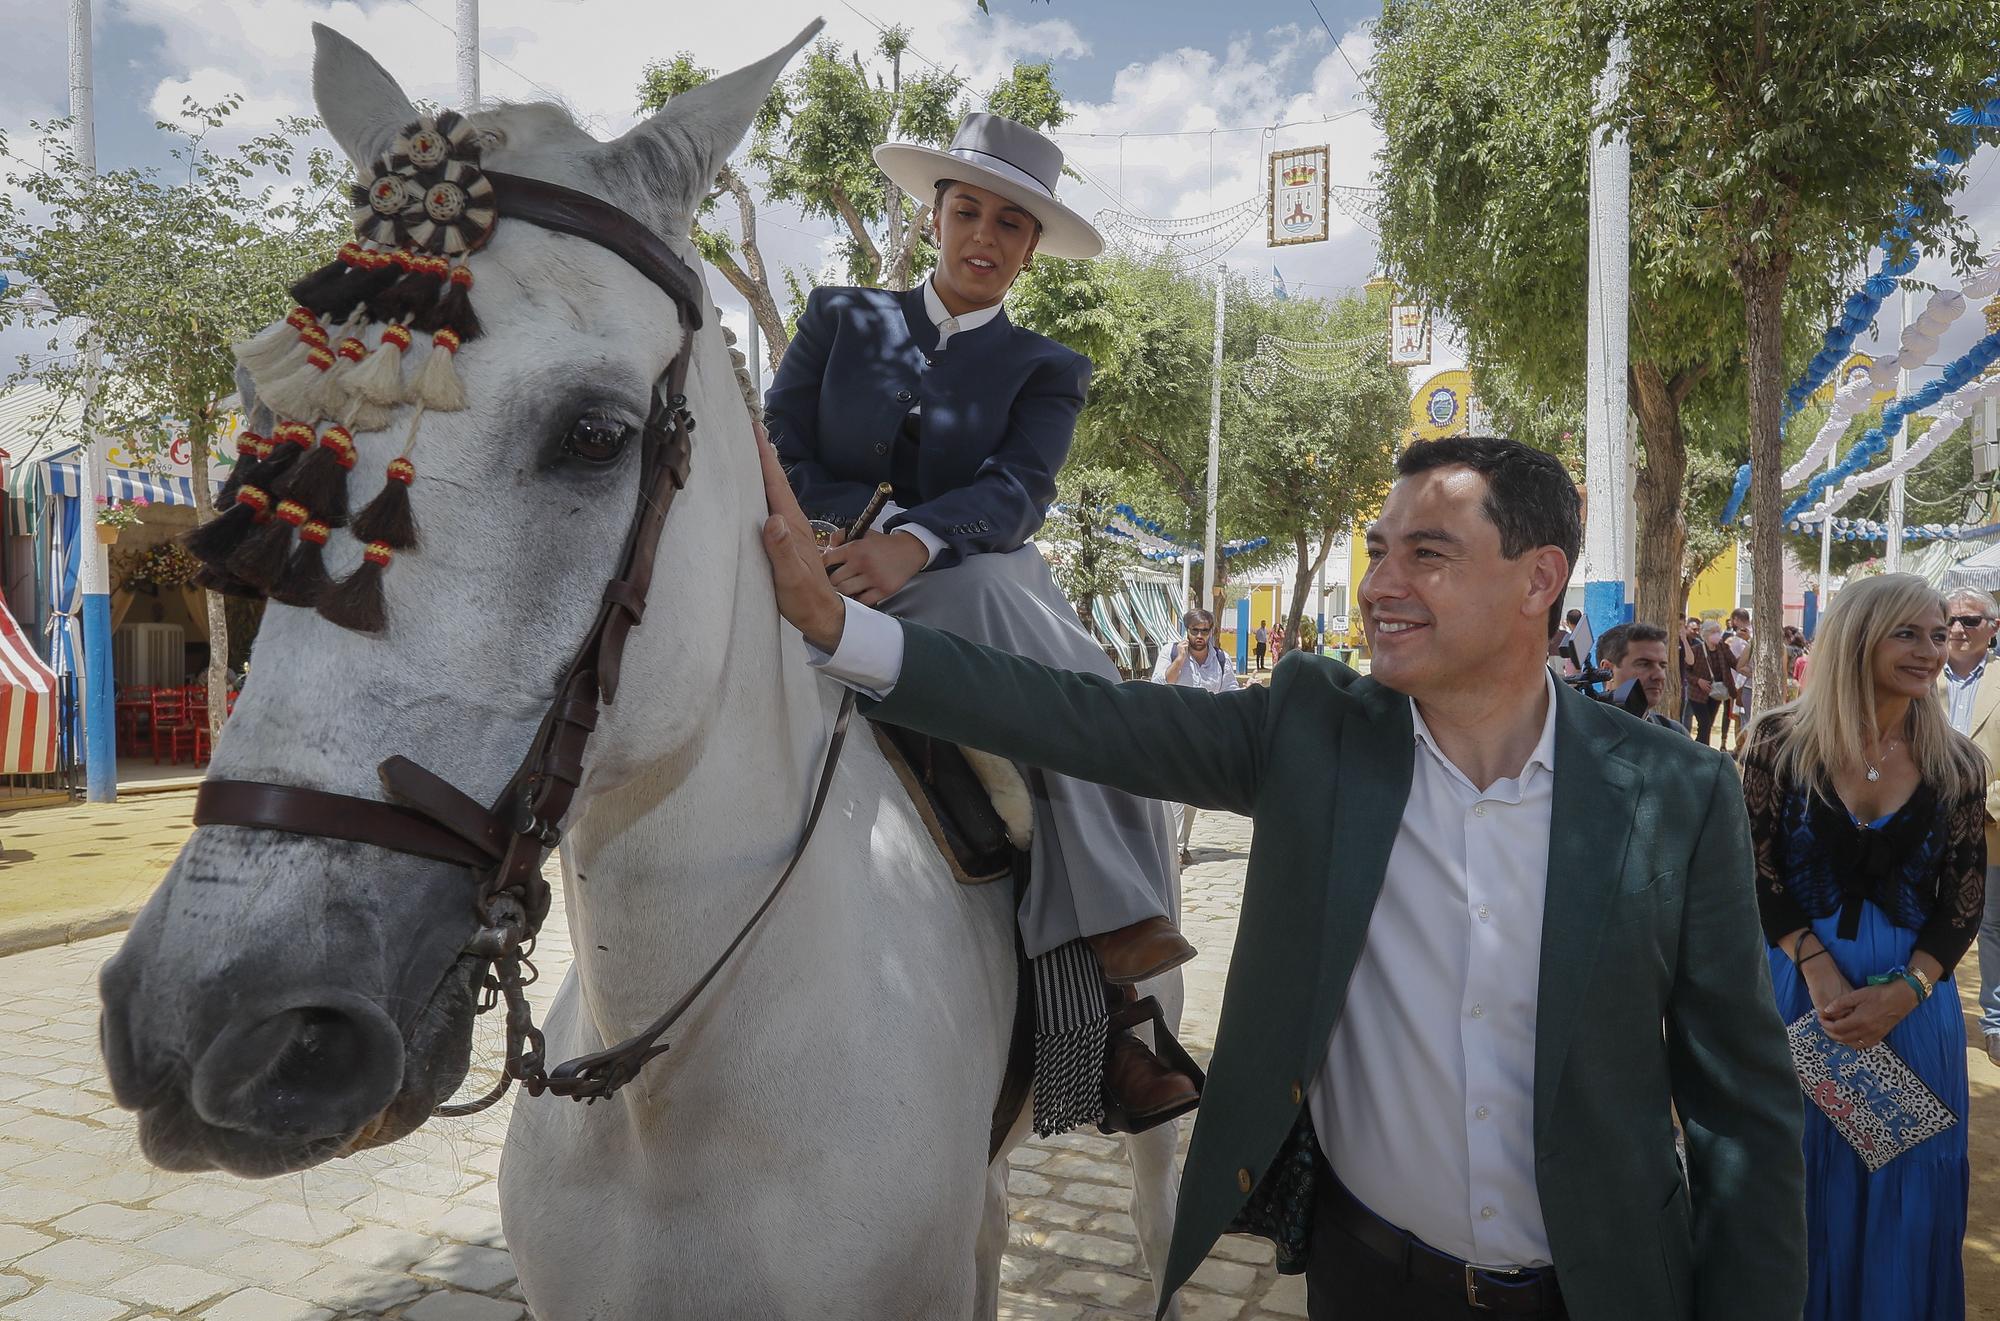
(360, 104)
(683, 147)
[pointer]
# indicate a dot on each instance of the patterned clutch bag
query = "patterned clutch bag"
(1874, 1099)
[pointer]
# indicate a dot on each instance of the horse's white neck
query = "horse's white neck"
(663, 870)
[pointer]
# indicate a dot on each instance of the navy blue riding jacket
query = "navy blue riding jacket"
(999, 408)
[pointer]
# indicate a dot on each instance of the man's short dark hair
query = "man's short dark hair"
(1617, 641)
(1740, 612)
(1572, 617)
(1197, 616)
(1530, 496)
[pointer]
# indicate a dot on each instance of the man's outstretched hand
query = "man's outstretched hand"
(805, 598)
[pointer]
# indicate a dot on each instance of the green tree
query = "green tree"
(1149, 332)
(1785, 135)
(813, 144)
(1486, 108)
(166, 269)
(1088, 561)
(1313, 450)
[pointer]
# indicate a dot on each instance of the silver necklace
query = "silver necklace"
(1874, 771)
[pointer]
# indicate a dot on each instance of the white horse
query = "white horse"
(816, 1144)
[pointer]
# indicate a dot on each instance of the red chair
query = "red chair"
(169, 714)
(134, 708)
(193, 735)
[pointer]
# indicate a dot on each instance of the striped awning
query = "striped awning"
(66, 478)
(35, 423)
(27, 704)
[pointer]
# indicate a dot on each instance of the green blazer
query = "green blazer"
(1654, 987)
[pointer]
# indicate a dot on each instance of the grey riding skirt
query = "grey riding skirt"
(1102, 858)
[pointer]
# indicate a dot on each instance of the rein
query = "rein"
(507, 843)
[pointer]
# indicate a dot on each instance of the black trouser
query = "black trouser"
(1260, 655)
(1701, 718)
(1347, 1280)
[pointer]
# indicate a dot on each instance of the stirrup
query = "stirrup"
(1169, 1051)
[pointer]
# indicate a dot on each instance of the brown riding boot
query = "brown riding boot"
(1140, 1091)
(1144, 949)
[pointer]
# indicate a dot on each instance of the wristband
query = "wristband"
(1810, 957)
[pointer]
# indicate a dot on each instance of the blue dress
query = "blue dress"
(1885, 1246)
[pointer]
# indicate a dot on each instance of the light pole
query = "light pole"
(1606, 547)
(467, 33)
(100, 741)
(1208, 547)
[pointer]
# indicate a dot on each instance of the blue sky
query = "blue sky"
(1147, 83)
(1165, 74)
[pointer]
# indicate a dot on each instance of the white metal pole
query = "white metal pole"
(467, 32)
(1187, 572)
(1606, 547)
(97, 692)
(756, 359)
(1214, 452)
(1896, 448)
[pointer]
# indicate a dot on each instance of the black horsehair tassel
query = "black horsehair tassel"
(259, 559)
(356, 602)
(454, 309)
(305, 582)
(319, 480)
(389, 520)
(216, 540)
(251, 449)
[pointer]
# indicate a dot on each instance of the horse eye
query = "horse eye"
(597, 439)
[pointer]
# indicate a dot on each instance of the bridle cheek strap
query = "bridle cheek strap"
(507, 843)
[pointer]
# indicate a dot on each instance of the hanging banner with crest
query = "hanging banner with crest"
(1298, 196)
(1409, 336)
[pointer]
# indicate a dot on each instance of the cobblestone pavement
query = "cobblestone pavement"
(90, 1232)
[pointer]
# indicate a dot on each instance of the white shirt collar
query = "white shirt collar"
(1544, 754)
(1955, 677)
(949, 325)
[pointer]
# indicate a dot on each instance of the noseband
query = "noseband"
(506, 844)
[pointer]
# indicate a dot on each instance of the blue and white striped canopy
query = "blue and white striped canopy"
(66, 478)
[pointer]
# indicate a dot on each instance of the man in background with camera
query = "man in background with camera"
(1636, 655)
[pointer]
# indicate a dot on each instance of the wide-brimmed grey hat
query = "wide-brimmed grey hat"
(1002, 157)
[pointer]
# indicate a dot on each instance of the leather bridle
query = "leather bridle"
(506, 844)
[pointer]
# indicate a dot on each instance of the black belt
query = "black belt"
(1526, 1291)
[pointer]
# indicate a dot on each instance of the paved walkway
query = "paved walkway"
(82, 869)
(90, 1232)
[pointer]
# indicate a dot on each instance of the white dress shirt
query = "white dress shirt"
(1425, 1104)
(1961, 693)
(947, 326)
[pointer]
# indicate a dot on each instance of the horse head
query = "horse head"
(285, 997)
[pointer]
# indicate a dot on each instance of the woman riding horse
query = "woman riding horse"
(969, 417)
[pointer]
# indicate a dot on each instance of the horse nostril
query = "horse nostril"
(314, 1070)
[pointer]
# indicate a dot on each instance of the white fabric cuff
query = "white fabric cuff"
(932, 541)
(870, 656)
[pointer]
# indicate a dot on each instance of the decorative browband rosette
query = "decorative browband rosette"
(340, 364)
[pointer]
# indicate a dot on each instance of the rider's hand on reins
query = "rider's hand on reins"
(806, 598)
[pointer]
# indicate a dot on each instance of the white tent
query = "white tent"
(1980, 572)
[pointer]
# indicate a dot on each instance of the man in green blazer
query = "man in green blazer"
(1488, 951)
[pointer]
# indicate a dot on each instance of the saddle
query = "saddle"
(974, 804)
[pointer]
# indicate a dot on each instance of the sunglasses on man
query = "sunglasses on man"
(1968, 621)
